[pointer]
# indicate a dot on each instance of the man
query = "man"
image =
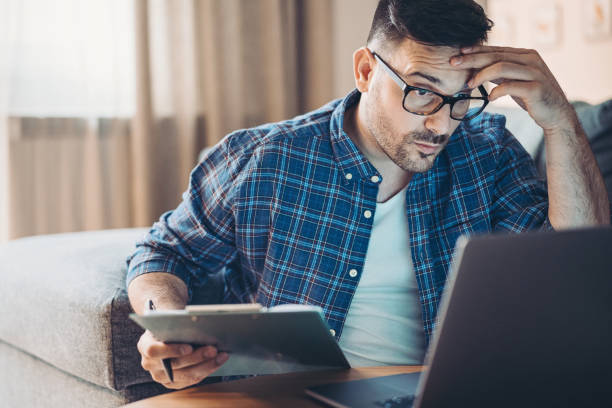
(356, 207)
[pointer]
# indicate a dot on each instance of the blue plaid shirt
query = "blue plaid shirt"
(287, 209)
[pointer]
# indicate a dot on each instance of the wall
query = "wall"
(582, 66)
(352, 20)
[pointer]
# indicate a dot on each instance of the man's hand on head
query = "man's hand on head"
(523, 75)
(576, 191)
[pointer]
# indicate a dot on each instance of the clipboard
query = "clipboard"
(259, 340)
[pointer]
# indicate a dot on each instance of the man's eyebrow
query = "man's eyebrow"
(430, 78)
(435, 80)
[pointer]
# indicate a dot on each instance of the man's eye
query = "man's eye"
(423, 92)
(462, 95)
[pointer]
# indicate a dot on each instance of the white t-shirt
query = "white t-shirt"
(384, 324)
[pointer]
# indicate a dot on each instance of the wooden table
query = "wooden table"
(284, 390)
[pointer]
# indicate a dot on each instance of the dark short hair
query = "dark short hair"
(454, 23)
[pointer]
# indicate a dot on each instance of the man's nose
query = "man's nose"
(440, 122)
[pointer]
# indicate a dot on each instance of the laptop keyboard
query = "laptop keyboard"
(397, 402)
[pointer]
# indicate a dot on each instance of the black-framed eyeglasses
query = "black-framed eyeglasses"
(421, 101)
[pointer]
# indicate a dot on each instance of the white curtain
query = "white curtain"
(104, 104)
(7, 36)
(67, 95)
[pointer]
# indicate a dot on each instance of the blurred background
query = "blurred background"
(105, 104)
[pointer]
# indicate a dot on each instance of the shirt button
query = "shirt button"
(367, 214)
(333, 332)
(375, 179)
(353, 273)
(348, 176)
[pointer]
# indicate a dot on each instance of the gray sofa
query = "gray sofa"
(65, 336)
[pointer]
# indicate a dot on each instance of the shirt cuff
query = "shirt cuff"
(142, 263)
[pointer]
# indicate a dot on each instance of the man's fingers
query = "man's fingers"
(199, 355)
(160, 376)
(504, 71)
(517, 89)
(191, 375)
(196, 373)
(173, 385)
(160, 350)
(190, 366)
(481, 60)
(493, 48)
(221, 358)
(149, 347)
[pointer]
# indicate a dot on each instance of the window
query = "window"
(69, 58)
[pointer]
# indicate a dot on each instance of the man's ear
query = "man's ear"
(363, 68)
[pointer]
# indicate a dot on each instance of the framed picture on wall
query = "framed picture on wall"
(597, 19)
(546, 24)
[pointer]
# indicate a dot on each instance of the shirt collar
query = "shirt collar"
(350, 160)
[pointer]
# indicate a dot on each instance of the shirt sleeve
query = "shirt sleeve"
(520, 201)
(197, 238)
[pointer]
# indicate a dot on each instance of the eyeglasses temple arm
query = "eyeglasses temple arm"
(392, 73)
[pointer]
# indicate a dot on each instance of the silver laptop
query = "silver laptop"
(525, 320)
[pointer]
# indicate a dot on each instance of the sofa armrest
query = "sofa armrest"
(64, 301)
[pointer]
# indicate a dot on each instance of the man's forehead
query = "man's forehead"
(433, 61)
(433, 53)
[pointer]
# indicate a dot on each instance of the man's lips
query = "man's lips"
(427, 148)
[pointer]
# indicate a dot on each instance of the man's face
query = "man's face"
(411, 141)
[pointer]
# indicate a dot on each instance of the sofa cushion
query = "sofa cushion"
(63, 300)
(30, 382)
(596, 121)
(521, 125)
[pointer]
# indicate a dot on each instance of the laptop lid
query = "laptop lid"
(526, 320)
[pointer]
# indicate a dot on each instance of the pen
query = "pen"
(165, 361)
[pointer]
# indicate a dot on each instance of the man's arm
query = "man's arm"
(576, 191)
(189, 365)
(194, 240)
(167, 291)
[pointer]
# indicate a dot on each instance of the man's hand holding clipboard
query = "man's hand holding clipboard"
(177, 366)
(280, 339)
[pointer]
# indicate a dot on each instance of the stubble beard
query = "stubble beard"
(405, 153)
